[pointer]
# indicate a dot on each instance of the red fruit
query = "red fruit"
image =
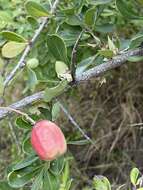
(48, 140)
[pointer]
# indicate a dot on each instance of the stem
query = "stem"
(19, 112)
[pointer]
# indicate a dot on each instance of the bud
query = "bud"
(48, 140)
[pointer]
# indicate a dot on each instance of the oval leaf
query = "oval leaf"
(50, 93)
(134, 175)
(12, 36)
(24, 163)
(57, 48)
(35, 9)
(12, 49)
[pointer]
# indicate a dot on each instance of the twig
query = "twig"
(75, 123)
(19, 112)
(22, 103)
(28, 48)
(109, 65)
(73, 55)
(94, 72)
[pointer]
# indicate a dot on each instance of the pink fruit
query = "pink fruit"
(48, 140)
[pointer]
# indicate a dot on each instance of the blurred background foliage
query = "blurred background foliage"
(109, 109)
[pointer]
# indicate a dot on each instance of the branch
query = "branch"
(28, 48)
(94, 72)
(22, 103)
(111, 64)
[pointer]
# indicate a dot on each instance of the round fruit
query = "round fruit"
(48, 140)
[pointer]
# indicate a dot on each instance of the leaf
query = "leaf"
(50, 181)
(101, 183)
(90, 17)
(38, 182)
(55, 111)
(65, 176)
(23, 124)
(84, 64)
(34, 23)
(1, 85)
(56, 166)
(12, 36)
(32, 79)
(35, 9)
(136, 41)
(5, 18)
(4, 186)
(99, 2)
(19, 178)
(62, 71)
(26, 145)
(70, 36)
(134, 175)
(33, 63)
(112, 46)
(79, 142)
(57, 48)
(135, 58)
(12, 49)
(106, 53)
(24, 163)
(126, 11)
(46, 113)
(50, 93)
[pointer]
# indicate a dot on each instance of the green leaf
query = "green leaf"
(65, 182)
(135, 58)
(19, 178)
(22, 123)
(50, 181)
(106, 53)
(55, 111)
(4, 186)
(12, 36)
(99, 2)
(90, 17)
(38, 182)
(26, 145)
(1, 85)
(126, 11)
(84, 64)
(79, 142)
(112, 46)
(46, 113)
(56, 166)
(5, 18)
(32, 79)
(70, 36)
(33, 63)
(35, 9)
(24, 163)
(34, 23)
(12, 49)
(101, 183)
(62, 71)
(50, 93)
(134, 174)
(136, 41)
(57, 48)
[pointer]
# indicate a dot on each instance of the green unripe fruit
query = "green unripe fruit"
(33, 63)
